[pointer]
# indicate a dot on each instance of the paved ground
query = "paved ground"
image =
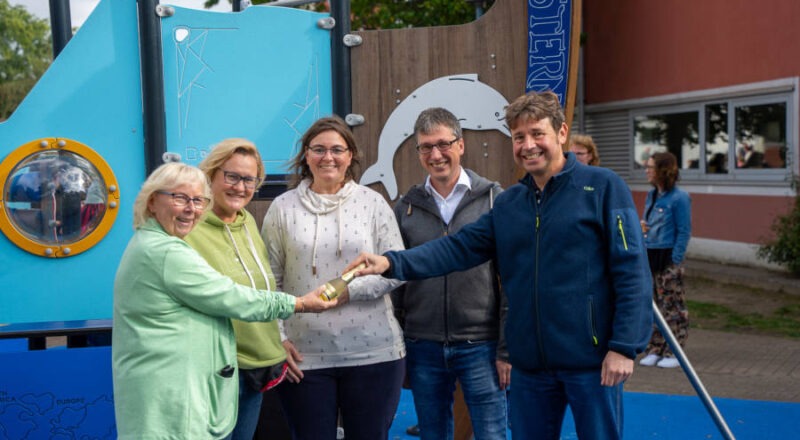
(728, 364)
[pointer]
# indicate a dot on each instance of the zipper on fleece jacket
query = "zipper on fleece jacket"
(622, 232)
(536, 292)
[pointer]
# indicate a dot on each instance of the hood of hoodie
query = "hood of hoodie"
(323, 203)
(238, 223)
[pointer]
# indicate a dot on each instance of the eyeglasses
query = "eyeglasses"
(441, 146)
(181, 200)
(233, 179)
(322, 151)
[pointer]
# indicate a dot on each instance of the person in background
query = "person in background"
(173, 349)
(667, 227)
(452, 324)
(584, 148)
(571, 260)
(353, 360)
(228, 238)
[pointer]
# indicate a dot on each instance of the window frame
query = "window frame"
(734, 174)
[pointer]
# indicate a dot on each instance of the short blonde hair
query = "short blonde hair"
(227, 148)
(586, 141)
(165, 178)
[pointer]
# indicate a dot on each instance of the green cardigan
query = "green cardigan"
(172, 339)
(258, 343)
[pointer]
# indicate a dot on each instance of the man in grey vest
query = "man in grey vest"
(453, 323)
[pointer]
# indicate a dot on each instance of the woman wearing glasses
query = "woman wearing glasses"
(351, 360)
(585, 149)
(173, 349)
(228, 239)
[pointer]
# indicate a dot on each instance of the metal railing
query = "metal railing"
(694, 379)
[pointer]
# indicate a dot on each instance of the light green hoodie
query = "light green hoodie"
(172, 340)
(232, 249)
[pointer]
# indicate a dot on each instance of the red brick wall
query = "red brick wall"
(639, 48)
(745, 219)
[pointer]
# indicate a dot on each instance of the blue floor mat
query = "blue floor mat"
(666, 417)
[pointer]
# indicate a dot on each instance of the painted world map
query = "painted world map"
(48, 416)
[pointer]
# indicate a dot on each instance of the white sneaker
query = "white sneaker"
(649, 360)
(339, 433)
(668, 362)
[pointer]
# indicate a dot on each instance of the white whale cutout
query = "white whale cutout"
(475, 104)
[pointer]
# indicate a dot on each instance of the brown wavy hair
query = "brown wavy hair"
(536, 106)
(298, 165)
(667, 172)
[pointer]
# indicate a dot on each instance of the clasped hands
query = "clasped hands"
(314, 301)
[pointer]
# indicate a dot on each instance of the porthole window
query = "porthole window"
(59, 197)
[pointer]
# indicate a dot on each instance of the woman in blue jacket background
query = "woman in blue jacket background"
(667, 227)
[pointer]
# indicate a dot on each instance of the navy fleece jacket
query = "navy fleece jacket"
(573, 266)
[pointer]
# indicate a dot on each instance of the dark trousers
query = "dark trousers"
(272, 423)
(366, 395)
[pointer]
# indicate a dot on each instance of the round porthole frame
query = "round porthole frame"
(55, 250)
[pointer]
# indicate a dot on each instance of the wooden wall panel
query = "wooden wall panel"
(390, 64)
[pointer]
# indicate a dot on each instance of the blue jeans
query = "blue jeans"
(432, 370)
(540, 399)
(366, 395)
(249, 411)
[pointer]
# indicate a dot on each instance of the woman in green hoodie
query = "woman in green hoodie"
(229, 240)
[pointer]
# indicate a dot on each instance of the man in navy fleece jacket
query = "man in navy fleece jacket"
(570, 255)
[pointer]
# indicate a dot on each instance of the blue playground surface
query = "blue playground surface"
(647, 416)
(666, 417)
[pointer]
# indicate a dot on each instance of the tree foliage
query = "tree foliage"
(393, 14)
(784, 249)
(25, 53)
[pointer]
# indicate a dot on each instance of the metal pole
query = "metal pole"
(692, 375)
(292, 3)
(340, 59)
(478, 4)
(154, 112)
(60, 25)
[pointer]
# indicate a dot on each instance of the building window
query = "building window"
(716, 116)
(761, 136)
(673, 132)
(738, 139)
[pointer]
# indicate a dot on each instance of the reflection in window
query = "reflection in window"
(55, 197)
(673, 132)
(761, 136)
(717, 138)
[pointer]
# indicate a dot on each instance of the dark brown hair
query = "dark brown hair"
(298, 165)
(666, 169)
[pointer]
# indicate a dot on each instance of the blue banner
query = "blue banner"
(549, 28)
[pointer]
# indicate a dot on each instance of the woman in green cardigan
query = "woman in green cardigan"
(173, 348)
